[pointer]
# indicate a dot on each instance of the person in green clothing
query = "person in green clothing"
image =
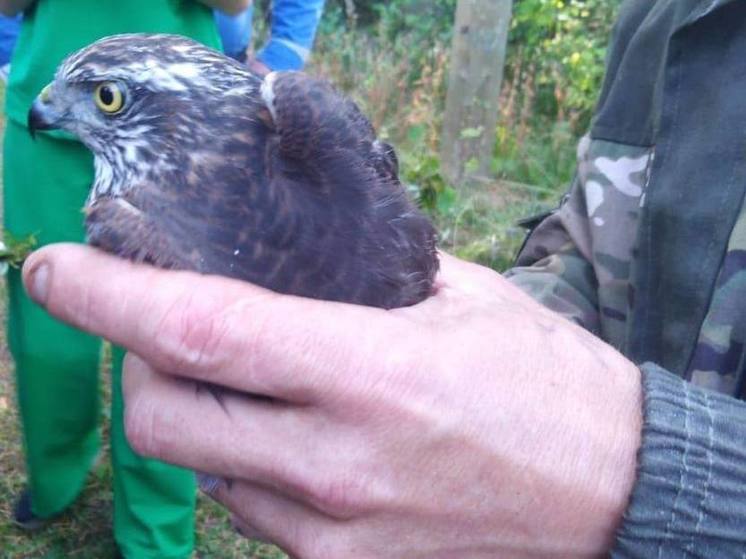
(46, 182)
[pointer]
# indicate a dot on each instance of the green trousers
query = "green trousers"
(46, 182)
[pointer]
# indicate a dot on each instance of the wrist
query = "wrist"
(589, 460)
(611, 476)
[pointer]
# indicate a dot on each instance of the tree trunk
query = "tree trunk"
(476, 70)
(351, 12)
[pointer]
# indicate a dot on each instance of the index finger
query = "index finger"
(208, 328)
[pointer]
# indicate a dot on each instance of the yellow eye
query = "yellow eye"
(109, 98)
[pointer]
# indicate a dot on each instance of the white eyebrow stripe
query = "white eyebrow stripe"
(185, 70)
(169, 77)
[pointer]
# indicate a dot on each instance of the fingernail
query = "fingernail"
(37, 283)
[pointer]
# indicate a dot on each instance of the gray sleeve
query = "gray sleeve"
(689, 499)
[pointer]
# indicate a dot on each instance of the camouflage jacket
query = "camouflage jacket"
(648, 249)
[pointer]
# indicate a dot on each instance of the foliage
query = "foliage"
(14, 251)
(423, 18)
(392, 57)
(544, 158)
(559, 47)
(394, 66)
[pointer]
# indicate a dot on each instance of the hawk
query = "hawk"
(200, 165)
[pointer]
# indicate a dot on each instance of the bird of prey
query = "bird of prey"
(200, 165)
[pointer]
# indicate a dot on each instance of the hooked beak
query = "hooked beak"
(42, 115)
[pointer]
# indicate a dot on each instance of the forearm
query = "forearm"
(689, 496)
(13, 7)
(230, 7)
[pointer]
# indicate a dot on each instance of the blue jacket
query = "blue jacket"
(9, 28)
(294, 24)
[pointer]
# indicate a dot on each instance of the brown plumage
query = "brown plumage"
(204, 167)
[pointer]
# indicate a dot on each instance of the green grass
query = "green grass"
(481, 224)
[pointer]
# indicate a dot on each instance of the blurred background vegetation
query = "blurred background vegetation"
(392, 57)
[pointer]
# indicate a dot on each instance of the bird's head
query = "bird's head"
(139, 102)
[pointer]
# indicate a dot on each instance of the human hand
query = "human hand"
(475, 424)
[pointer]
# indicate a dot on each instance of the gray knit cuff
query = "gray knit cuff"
(690, 495)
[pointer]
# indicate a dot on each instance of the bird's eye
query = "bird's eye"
(109, 97)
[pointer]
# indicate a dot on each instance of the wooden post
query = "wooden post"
(480, 39)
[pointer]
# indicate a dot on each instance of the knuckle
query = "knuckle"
(193, 333)
(343, 497)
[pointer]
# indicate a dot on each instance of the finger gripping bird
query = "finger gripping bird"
(200, 165)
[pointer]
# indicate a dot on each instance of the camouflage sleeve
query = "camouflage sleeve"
(555, 264)
(578, 261)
